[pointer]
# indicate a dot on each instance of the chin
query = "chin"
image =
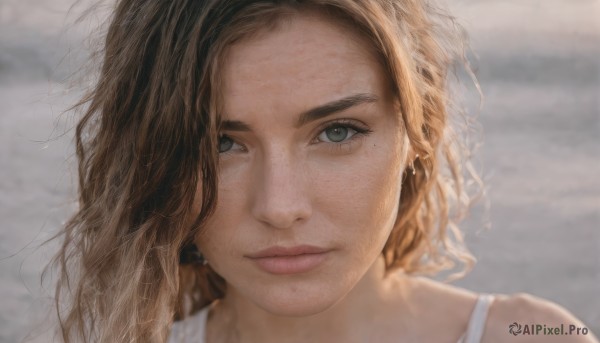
(298, 299)
(295, 307)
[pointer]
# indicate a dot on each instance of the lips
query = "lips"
(291, 251)
(292, 260)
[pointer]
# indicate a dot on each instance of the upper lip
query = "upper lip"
(288, 251)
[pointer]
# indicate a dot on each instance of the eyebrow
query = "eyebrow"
(313, 114)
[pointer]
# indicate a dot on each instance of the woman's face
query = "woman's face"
(311, 160)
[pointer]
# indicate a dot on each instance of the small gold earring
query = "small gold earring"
(412, 165)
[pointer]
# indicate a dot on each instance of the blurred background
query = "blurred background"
(539, 69)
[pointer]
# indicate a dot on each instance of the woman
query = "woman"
(276, 171)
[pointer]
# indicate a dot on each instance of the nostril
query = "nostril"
(282, 211)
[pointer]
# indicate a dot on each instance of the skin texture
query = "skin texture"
(287, 185)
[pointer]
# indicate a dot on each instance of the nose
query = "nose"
(281, 196)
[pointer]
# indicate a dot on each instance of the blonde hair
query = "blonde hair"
(149, 134)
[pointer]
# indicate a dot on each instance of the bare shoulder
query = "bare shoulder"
(526, 318)
(532, 319)
(438, 305)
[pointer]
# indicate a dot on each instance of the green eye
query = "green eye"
(342, 132)
(337, 133)
(225, 144)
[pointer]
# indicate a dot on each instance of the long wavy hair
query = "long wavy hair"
(148, 137)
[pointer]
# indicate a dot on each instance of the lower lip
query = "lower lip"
(290, 264)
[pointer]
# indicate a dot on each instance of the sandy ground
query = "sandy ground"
(540, 74)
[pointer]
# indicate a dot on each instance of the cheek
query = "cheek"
(217, 236)
(360, 196)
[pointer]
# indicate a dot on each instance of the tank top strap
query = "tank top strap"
(202, 319)
(191, 329)
(478, 319)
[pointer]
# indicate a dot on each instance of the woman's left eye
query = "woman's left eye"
(338, 133)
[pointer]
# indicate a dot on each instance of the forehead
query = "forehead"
(306, 61)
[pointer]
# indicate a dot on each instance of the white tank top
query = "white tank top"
(193, 329)
(477, 321)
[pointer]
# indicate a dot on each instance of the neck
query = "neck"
(350, 319)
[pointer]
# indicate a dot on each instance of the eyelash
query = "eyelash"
(361, 132)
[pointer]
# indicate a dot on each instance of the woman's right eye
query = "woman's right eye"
(226, 144)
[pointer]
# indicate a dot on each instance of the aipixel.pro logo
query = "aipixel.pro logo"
(515, 328)
(546, 330)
